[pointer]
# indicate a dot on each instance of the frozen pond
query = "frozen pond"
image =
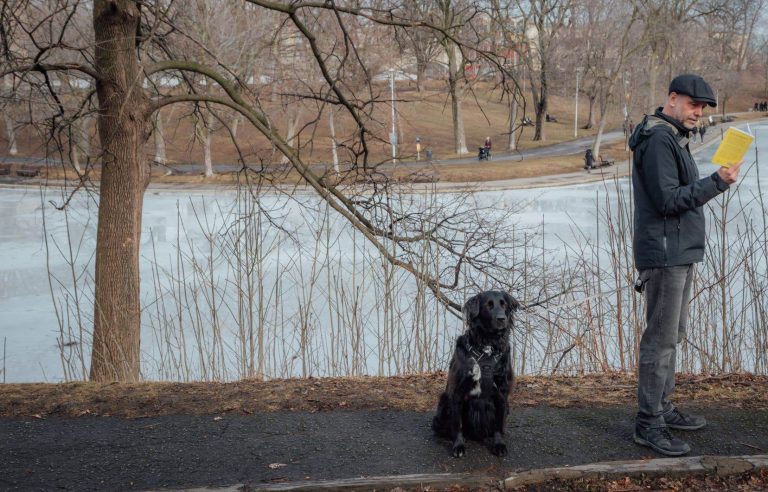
(177, 227)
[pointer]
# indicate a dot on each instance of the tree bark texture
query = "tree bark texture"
(541, 102)
(123, 131)
(456, 93)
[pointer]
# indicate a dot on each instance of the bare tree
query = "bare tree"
(134, 43)
(607, 20)
(509, 45)
(662, 20)
(453, 15)
(543, 22)
(422, 43)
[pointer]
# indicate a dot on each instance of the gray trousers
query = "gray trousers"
(667, 294)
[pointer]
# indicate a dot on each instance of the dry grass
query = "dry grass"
(415, 392)
(755, 480)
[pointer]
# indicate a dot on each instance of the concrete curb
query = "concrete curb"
(720, 465)
(695, 465)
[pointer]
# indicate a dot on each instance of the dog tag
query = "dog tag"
(488, 350)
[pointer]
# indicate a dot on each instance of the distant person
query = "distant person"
(702, 131)
(487, 146)
(669, 239)
(694, 133)
(589, 159)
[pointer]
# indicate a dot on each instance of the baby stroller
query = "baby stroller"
(483, 153)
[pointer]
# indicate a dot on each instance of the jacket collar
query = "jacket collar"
(682, 130)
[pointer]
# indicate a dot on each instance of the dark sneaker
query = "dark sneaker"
(681, 421)
(661, 440)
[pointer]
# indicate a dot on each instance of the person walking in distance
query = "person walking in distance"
(487, 146)
(589, 159)
(669, 239)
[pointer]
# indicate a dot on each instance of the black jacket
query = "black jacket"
(669, 223)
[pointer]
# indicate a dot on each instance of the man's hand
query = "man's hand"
(730, 174)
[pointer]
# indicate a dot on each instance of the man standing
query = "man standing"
(669, 238)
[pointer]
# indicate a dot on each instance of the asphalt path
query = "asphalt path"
(107, 453)
(571, 147)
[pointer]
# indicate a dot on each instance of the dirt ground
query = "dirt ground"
(418, 392)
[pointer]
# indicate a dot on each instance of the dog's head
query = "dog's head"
(492, 310)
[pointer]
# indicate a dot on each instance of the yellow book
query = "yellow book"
(733, 148)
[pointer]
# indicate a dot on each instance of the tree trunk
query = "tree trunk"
(10, 132)
(160, 155)
(79, 141)
(540, 99)
(652, 74)
(461, 143)
(598, 139)
(421, 72)
(292, 132)
(334, 149)
(10, 129)
(203, 129)
(74, 151)
(512, 123)
(591, 118)
(235, 124)
(459, 139)
(123, 131)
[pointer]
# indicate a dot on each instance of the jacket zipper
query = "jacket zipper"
(664, 241)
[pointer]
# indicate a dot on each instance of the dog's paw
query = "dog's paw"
(499, 449)
(458, 450)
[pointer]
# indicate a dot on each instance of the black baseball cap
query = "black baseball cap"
(694, 86)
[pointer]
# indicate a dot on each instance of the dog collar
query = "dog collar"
(487, 352)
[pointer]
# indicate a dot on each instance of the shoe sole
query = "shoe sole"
(687, 427)
(639, 440)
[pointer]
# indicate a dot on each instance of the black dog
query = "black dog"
(480, 375)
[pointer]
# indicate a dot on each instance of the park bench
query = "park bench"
(602, 161)
(5, 170)
(28, 172)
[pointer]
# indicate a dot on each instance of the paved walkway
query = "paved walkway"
(618, 170)
(289, 448)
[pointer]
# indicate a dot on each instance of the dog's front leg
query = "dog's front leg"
(470, 384)
(499, 447)
(456, 434)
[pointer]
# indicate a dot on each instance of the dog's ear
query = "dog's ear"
(471, 309)
(512, 303)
